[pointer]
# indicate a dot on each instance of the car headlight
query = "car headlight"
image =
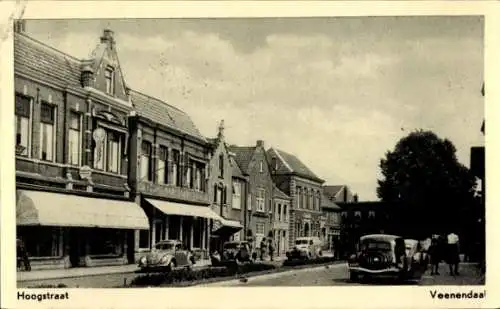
(142, 260)
(164, 259)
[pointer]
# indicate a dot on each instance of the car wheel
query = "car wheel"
(353, 276)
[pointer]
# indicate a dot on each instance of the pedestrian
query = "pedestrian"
(22, 256)
(453, 253)
(435, 256)
(262, 249)
(271, 249)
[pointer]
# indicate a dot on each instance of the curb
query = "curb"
(231, 282)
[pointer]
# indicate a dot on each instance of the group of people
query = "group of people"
(266, 245)
(445, 249)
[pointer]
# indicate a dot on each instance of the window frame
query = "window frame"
(110, 80)
(261, 200)
(162, 157)
(105, 155)
(54, 130)
(30, 124)
(146, 145)
(80, 138)
(236, 196)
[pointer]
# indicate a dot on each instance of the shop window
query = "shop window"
(47, 132)
(75, 138)
(161, 172)
(144, 239)
(23, 125)
(197, 233)
(41, 241)
(259, 229)
(106, 242)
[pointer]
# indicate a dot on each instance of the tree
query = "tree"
(424, 178)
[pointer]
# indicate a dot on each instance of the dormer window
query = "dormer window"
(109, 74)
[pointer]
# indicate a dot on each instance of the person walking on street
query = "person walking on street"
(453, 256)
(271, 249)
(22, 256)
(262, 249)
(435, 257)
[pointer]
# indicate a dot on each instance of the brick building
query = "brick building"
(253, 163)
(330, 223)
(305, 190)
(226, 186)
(280, 220)
(72, 129)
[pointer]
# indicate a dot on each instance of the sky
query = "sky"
(336, 92)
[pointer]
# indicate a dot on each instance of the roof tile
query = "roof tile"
(243, 156)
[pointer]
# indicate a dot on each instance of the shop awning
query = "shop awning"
(225, 226)
(181, 209)
(57, 209)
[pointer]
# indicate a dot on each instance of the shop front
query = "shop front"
(188, 223)
(224, 230)
(63, 230)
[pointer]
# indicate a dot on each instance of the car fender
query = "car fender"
(168, 258)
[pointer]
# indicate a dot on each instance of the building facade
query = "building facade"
(330, 225)
(225, 190)
(305, 190)
(280, 220)
(72, 129)
(169, 175)
(253, 163)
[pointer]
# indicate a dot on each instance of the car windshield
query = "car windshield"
(233, 245)
(371, 244)
(164, 246)
(301, 242)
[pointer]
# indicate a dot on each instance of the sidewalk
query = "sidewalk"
(470, 274)
(84, 271)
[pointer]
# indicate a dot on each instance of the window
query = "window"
(261, 197)
(146, 161)
(107, 154)
(303, 198)
(249, 201)
(106, 242)
(75, 138)
(161, 171)
(23, 115)
(144, 239)
(41, 241)
(279, 212)
(236, 203)
(109, 74)
(175, 167)
(261, 167)
(311, 199)
(285, 212)
(47, 138)
(218, 197)
(198, 185)
(259, 228)
(299, 196)
(221, 165)
(318, 201)
(189, 174)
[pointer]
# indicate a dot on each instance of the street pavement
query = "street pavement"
(338, 275)
(332, 275)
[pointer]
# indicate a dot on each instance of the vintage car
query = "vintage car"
(236, 251)
(165, 256)
(305, 248)
(381, 255)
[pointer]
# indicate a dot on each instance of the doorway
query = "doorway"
(76, 242)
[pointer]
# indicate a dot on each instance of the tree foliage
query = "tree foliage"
(423, 175)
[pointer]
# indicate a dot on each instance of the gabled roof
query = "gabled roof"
(162, 113)
(243, 156)
(291, 164)
(279, 194)
(327, 203)
(42, 61)
(332, 191)
(235, 169)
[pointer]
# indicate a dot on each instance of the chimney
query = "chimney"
(355, 198)
(20, 25)
(108, 38)
(260, 143)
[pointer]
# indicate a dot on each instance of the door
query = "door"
(76, 246)
(130, 246)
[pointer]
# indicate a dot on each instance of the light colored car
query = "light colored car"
(165, 256)
(306, 248)
(381, 255)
